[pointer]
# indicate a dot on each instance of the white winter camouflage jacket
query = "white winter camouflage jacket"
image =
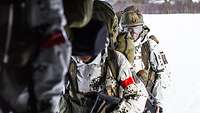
(88, 75)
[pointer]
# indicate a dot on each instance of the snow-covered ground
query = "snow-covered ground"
(179, 36)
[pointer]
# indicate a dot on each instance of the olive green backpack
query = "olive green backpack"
(125, 45)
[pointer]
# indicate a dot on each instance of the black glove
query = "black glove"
(159, 109)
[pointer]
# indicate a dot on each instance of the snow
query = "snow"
(195, 0)
(180, 38)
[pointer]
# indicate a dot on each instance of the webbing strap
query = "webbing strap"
(126, 44)
(72, 78)
(112, 65)
(112, 62)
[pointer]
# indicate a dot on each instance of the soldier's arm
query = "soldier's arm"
(132, 92)
(159, 65)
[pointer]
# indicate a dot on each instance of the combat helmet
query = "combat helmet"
(90, 39)
(103, 11)
(131, 17)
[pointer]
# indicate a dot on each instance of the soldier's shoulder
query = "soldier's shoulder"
(154, 38)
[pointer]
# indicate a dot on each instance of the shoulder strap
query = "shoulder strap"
(111, 71)
(145, 51)
(73, 78)
(111, 62)
(126, 44)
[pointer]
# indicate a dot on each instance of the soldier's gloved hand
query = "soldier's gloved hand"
(159, 109)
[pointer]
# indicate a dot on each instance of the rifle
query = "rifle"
(101, 98)
(151, 102)
(109, 99)
(150, 106)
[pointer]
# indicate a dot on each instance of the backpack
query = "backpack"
(125, 45)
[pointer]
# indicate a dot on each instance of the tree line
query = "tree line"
(163, 8)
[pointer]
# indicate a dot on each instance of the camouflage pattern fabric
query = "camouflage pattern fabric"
(78, 12)
(131, 17)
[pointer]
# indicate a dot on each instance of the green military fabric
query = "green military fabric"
(145, 51)
(131, 17)
(125, 45)
(78, 12)
(103, 11)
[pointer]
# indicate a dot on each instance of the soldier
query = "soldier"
(34, 54)
(98, 74)
(120, 41)
(149, 61)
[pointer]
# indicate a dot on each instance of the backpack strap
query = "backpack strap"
(145, 51)
(111, 65)
(71, 75)
(126, 44)
(111, 61)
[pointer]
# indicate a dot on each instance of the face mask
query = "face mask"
(134, 31)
